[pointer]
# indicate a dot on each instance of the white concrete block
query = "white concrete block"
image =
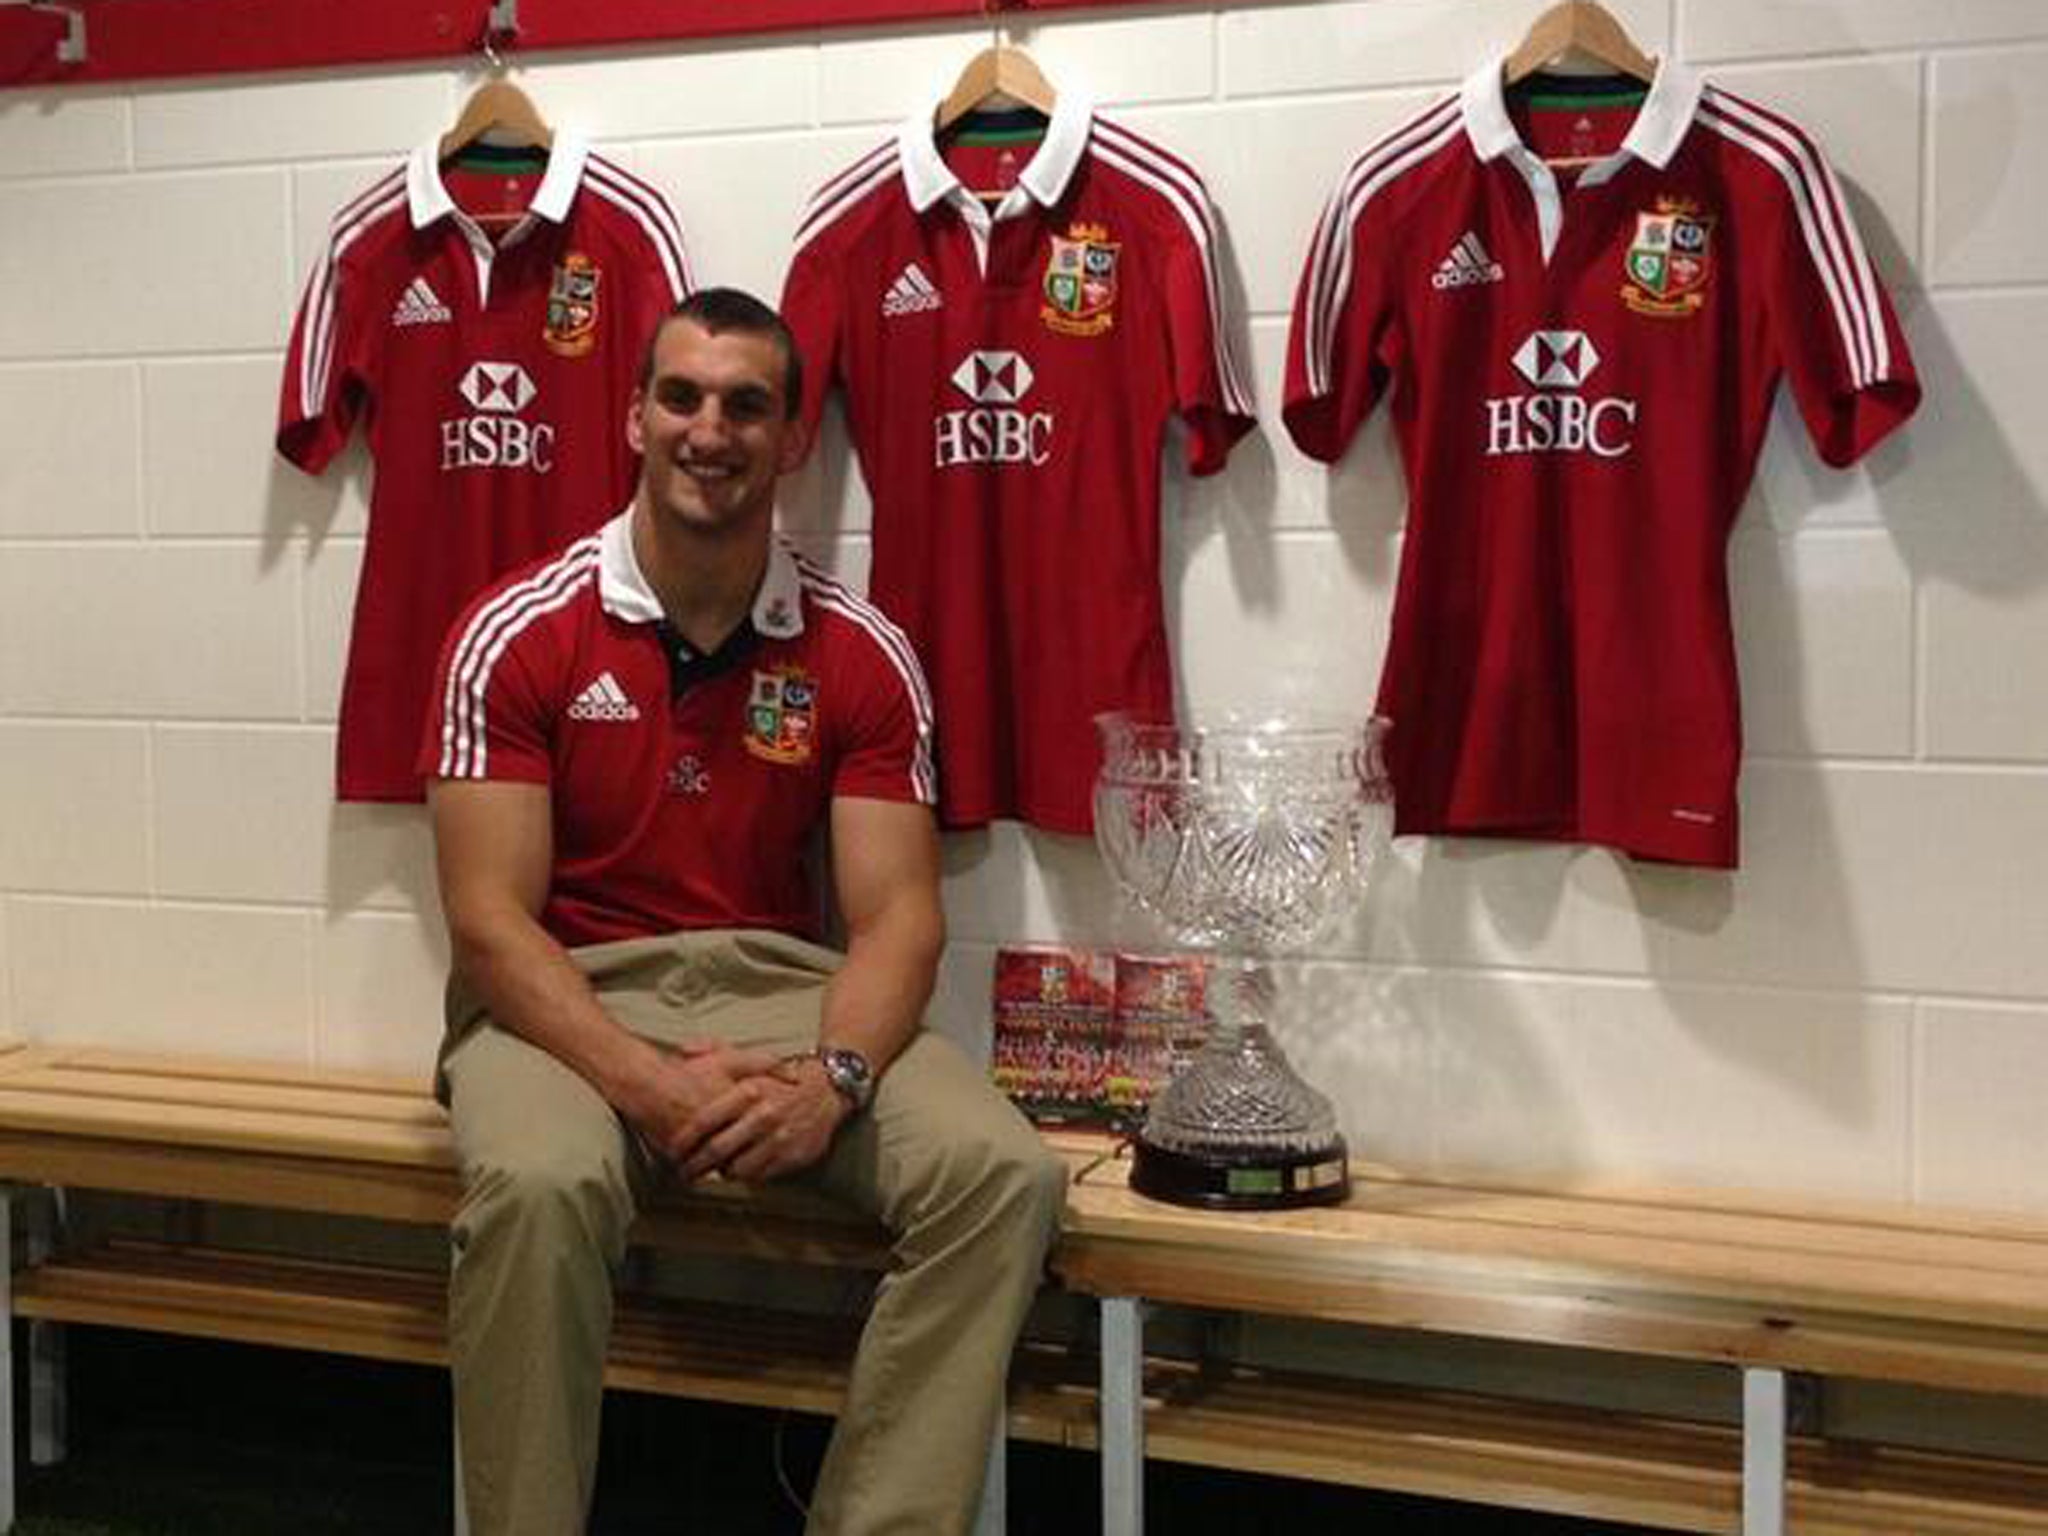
(959, 1007)
(1873, 878)
(1271, 484)
(1986, 690)
(1990, 129)
(1824, 637)
(318, 193)
(1111, 61)
(740, 199)
(62, 133)
(1865, 114)
(194, 981)
(1977, 1104)
(691, 88)
(1319, 47)
(1498, 902)
(10, 1025)
(248, 815)
(185, 263)
(234, 122)
(241, 812)
(209, 467)
(1005, 884)
(68, 466)
(1977, 451)
(1289, 624)
(207, 631)
(1269, 172)
(827, 494)
(379, 981)
(77, 817)
(1365, 1037)
(1540, 1078)
(1719, 29)
(331, 574)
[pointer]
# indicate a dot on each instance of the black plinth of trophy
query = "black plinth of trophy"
(1257, 1180)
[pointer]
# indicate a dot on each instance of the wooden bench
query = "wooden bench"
(1882, 1293)
(1898, 1295)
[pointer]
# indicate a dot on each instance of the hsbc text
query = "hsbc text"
(486, 442)
(993, 435)
(1555, 423)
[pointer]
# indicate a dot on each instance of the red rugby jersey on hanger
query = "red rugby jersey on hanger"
(1580, 370)
(1009, 373)
(493, 379)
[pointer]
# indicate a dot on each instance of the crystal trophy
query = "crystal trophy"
(1245, 840)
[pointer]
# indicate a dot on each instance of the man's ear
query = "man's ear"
(636, 436)
(796, 444)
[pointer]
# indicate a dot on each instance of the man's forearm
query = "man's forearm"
(534, 989)
(877, 997)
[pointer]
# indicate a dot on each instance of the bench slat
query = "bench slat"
(1320, 1255)
(1667, 1473)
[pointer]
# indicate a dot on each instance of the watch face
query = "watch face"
(850, 1074)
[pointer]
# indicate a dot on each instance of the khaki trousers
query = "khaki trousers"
(551, 1181)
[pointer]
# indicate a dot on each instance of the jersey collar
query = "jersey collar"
(427, 195)
(927, 178)
(623, 587)
(1660, 125)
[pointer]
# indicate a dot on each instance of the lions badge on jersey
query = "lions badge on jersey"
(782, 715)
(1080, 282)
(571, 328)
(1668, 262)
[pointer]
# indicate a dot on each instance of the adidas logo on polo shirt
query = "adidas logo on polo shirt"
(420, 305)
(1467, 264)
(911, 293)
(604, 699)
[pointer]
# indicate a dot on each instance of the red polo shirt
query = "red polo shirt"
(686, 788)
(1580, 365)
(1009, 374)
(492, 378)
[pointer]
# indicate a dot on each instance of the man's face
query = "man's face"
(712, 427)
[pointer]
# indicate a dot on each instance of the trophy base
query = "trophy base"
(1242, 1180)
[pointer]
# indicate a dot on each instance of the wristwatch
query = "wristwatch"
(848, 1072)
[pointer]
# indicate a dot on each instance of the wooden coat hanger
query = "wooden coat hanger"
(1581, 27)
(998, 75)
(504, 112)
(501, 112)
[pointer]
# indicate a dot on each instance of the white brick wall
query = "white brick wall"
(1863, 1009)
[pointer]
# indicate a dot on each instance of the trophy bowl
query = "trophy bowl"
(1245, 840)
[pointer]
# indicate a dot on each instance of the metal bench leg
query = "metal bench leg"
(1763, 1452)
(6, 1358)
(461, 1504)
(989, 1519)
(1123, 1417)
(48, 1397)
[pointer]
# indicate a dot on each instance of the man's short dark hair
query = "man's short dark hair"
(716, 311)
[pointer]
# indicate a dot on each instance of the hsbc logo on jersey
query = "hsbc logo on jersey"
(1558, 418)
(996, 429)
(498, 435)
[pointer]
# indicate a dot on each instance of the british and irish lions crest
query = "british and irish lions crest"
(782, 715)
(1669, 260)
(572, 306)
(1080, 281)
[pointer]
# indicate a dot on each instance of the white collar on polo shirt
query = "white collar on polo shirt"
(626, 594)
(427, 195)
(927, 178)
(1659, 126)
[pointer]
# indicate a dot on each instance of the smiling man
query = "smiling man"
(634, 749)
